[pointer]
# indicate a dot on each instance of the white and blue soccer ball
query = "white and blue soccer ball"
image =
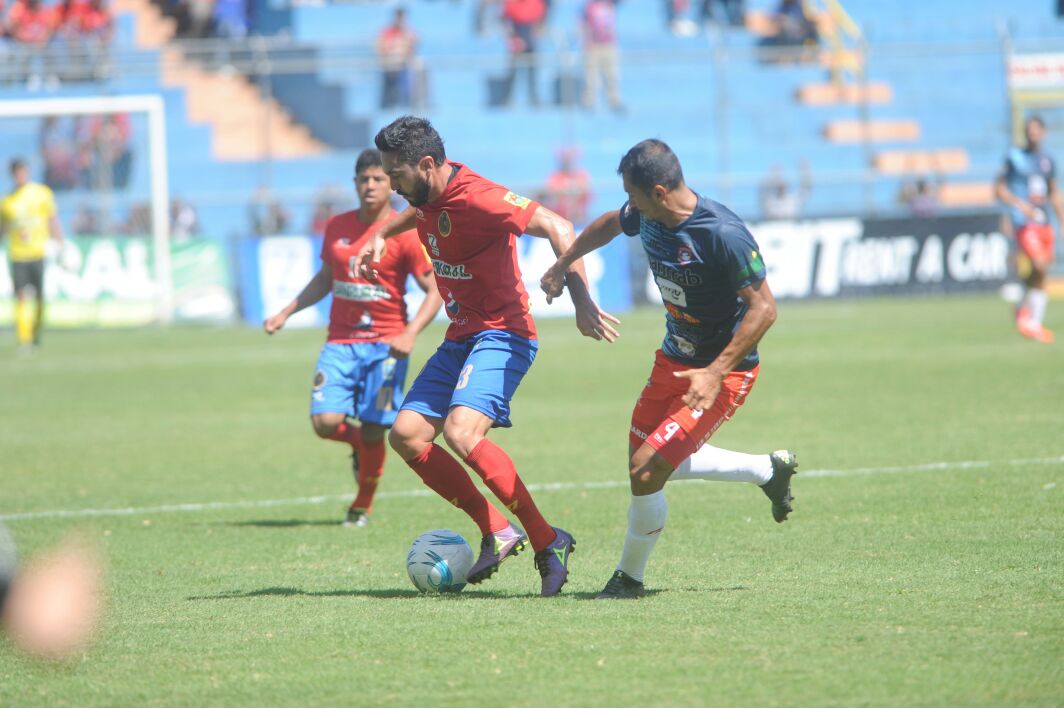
(439, 561)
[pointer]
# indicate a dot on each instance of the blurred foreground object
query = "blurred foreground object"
(53, 607)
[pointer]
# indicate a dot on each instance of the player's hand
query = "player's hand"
(275, 323)
(402, 344)
(1029, 210)
(594, 322)
(703, 389)
(369, 256)
(553, 281)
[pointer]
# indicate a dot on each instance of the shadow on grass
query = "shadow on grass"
(386, 594)
(283, 523)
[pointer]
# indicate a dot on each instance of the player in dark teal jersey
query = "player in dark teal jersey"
(718, 304)
(1028, 187)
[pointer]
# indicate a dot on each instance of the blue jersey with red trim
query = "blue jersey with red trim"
(699, 266)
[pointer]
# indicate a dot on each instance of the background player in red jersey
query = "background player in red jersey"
(470, 227)
(718, 306)
(362, 367)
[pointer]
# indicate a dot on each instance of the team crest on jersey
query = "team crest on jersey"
(319, 379)
(434, 245)
(444, 224)
(517, 200)
(684, 255)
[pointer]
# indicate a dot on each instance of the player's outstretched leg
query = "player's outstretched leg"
(494, 549)
(553, 563)
(778, 489)
(367, 464)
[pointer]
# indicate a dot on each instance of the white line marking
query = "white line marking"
(549, 487)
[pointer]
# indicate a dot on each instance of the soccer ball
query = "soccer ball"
(439, 561)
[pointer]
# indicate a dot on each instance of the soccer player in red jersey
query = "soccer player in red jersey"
(470, 226)
(362, 367)
(718, 306)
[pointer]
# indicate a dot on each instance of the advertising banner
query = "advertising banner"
(110, 282)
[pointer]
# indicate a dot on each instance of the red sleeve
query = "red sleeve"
(503, 210)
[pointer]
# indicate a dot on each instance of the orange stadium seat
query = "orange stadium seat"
(884, 131)
(964, 194)
(833, 94)
(921, 162)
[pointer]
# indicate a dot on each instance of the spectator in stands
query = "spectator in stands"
(195, 18)
(396, 45)
(86, 221)
(921, 196)
(32, 26)
(796, 28)
(268, 216)
(677, 23)
(568, 188)
(600, 52)
(523, 19)
(779, 200)
(734, 11)
(106, 157)
(184, 222)
(59, 153)
(138, 221)
(87, 28)
(329, 202)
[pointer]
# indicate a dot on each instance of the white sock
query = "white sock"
(713, 463)
(646, 521)
(1037, 300)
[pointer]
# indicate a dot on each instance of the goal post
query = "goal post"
(153, 107)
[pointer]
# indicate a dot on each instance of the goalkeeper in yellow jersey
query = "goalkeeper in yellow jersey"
(27, 221)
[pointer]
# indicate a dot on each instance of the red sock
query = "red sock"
(444, 475)
(498, 472)
(350, 434)
(370, 469)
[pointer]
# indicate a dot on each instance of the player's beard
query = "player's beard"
(419, 195)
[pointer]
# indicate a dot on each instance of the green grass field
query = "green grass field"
(923, 564)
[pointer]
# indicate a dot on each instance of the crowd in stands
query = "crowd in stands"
(86, 152)
(205, 19)
(43, 44)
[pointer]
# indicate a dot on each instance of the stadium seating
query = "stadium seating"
(730, 116)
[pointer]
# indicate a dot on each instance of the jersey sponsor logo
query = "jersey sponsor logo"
(684, 255)
(686, 346)
(345, 242)
(434, 244)
(681, 277)
(419, 214)
(365, 321)
(453, 308)
(679, 314)
(443, 269)
(444, 224)
(517, 200)
(359, 292)
(639, 433)
(671, 292)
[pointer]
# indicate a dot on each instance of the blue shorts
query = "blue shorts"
(360, 380)
(481, 373)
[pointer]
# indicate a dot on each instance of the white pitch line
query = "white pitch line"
(548, 487)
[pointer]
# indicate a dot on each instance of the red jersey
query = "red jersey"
(364, 310)
(470, 232)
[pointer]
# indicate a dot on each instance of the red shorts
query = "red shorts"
(1036, 240)
(661, 419)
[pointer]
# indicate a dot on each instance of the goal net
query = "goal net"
(105, 159)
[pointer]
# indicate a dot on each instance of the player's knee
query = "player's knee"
(648, 471)
(404, 443)
(462, 439)
(322, 428)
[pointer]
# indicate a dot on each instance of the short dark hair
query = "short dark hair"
(369, 157)
(16, 164)
(650, 163)
(411, 138)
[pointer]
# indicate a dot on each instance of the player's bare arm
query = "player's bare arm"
(373, 250)
(318, 287)
(590, 320)
(402, 344)
(596, 235)
(761, 313)
(1005, 196)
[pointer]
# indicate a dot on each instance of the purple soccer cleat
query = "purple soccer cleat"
(553, 563)
(494, 549)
